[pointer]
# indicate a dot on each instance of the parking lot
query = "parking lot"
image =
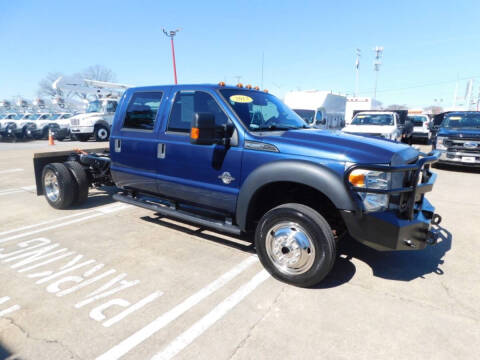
(108, 280)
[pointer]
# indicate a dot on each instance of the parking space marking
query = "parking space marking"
(197, 329)
(10, 192)
(10, 309)
(10, 171)
(95, 213)
(163, 320)
(29, 188)
(55, 220)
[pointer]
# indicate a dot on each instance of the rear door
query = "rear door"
(207, 175)
(134, 140)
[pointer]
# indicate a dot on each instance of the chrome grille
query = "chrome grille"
(74, 122)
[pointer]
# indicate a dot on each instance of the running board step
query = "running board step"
(179, 214)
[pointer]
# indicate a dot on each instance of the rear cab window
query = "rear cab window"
(142, 111)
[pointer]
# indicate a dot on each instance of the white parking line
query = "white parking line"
(97, 212)
(163, 320)
(29, 188)
(10, 171)
(197, 329)
(55, 220)
(9, 310)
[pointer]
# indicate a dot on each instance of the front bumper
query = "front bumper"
(406, 227)
(385, 231)
(459, 158)
(420, 135)
(60, 133)
(81, 129)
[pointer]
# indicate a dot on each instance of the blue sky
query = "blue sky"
(306, 44)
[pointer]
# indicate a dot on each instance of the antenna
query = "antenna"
(376, 67)
(358, 52)
(171, 34)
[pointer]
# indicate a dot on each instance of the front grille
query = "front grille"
(75, 122)
(458, 145)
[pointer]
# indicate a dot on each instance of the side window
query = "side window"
(111, 106)
(189, 102)
(142, 110)
(43, 117)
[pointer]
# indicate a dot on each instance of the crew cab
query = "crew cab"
(239, 161)
(96, 121)
(391, 125)
(421, 127)
(457, 137)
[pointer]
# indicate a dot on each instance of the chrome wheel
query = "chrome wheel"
(290, 248)
(50, 182)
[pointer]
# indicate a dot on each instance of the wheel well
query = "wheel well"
(275, 194)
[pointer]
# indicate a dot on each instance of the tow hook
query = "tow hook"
(436, 219)
(432, 237)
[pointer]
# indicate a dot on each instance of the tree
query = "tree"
(99, 72)
(45, 85)
(396, 107)
(433, 109)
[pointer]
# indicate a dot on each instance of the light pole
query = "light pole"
(171, 34)
(376, 67)
(358, 52)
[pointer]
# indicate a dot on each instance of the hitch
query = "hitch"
(436, 219)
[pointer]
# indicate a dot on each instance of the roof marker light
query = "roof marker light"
(240, 85)
(248, 86)
(221, 83)
(256, 88)
(266, 90)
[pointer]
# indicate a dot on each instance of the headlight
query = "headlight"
(440, 143)
(371, 180)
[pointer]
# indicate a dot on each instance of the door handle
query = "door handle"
(118, 145)
(161, 151)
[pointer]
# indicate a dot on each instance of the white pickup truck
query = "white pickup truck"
(385, 124)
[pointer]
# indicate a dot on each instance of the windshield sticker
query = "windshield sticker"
(455, 118)
(241, 99)
(361, 116)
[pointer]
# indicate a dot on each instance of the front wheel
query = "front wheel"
(295, 244)
(82, 137)
(101, 133)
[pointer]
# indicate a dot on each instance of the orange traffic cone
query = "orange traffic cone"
(50, 138)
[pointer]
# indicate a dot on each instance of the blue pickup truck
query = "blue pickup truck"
(237, 160)
(457, 137)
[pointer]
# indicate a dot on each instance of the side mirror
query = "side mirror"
(202, 129)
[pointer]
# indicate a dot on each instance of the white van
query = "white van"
(320, 109)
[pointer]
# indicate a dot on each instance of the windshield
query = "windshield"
(18, 116)
(417, 120)
(55, 116)
(94, 106)
(373, 119)
(306, 115)
(32, 117)
(261, 111)
(471, 120)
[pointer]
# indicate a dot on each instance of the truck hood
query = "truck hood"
(340, 146)
(460, 133)
(372, 129)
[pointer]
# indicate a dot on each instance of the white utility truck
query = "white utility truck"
(354, 104)
(98, 118)
(320, 109)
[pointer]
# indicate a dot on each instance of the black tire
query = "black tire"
(81, 179)
(318, 232)
(66, 185)
(82, 137)
(101, 133)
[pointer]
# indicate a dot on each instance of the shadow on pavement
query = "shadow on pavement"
(458, 168)
(399, 265)
(228, 240)
(4, 353)
(98, 198)
(391, 265)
